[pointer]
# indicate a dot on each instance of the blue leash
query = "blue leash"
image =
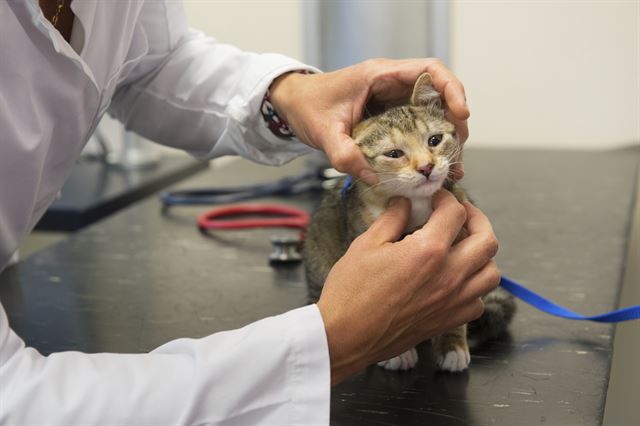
(345, 186)
(625, 314)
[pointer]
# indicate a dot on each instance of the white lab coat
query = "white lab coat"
(139, 60)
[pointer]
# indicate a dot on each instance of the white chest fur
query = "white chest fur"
(420, 212)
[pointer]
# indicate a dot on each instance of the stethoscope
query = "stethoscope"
(306, 182)
(265, 215)
(286, 250)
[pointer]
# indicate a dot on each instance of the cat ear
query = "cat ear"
(424, 94)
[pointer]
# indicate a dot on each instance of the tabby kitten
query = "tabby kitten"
(411, 149)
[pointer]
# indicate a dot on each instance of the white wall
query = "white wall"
(258, 26)
(549, 74)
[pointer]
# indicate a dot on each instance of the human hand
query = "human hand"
(384, 297)
(322, 109)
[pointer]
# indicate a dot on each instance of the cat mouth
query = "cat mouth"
(430, 181)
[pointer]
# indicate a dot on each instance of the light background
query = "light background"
(543, 74)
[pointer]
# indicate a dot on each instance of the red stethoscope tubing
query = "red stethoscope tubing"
(286, 217)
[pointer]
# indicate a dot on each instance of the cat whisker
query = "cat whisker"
(379, 174)
(381, 182)
(392, 186)
(453, 155)
(399, 181)
(452, 175)
(456, 152)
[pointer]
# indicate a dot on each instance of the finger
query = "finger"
(445, 222)
(469, 312)
(456, 317)
(445, 82)
(462, 127)
(478, 248)
(390, 225)
(346, 157)
(480, 283)
(478, 223)
(456, 99)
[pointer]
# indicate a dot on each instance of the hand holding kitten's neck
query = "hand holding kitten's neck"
(374, 203)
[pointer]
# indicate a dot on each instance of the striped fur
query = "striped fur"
(339, 220)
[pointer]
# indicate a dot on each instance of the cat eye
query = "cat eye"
(394, 153)
(434, 140)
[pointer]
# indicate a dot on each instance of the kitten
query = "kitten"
(411, 149)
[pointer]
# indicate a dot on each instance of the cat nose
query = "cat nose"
(426, 170)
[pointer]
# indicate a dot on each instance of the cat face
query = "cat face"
(411, 148)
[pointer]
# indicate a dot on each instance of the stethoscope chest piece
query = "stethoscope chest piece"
(286, 251)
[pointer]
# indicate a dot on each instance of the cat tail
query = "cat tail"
(499, 308)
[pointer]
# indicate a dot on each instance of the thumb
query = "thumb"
(346, 157)
(390, 225)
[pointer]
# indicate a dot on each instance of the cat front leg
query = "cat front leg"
(451, 350)
(404, 361)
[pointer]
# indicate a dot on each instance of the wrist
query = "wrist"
(344, 359)
(282, 93)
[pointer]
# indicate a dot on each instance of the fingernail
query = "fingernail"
(368, 177)
(464, 111)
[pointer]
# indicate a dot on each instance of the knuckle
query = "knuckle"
(373, 64)
(494, 276)
(435, 251)
(454, 279)
(453, 285)
(360, 242)
(460, 212)
(491, 245)
(426, 255)
(433, 248)
(478, 309)
(378, 62)
(460, 277)
(437, 62)
(341, 159)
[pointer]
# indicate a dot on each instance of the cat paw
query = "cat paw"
(404, 361)
(455, 360)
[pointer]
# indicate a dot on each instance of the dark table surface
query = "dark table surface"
(141, 278)
(95, 190)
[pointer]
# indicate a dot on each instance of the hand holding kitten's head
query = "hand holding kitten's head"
(411, 147)
(424, 95)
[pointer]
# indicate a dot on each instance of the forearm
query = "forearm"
(198, 94)
(186, 381)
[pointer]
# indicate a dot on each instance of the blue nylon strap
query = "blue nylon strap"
(345, 186)
(537, 301)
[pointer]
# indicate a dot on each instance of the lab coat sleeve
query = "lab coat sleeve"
(195, 93)
(274, 371)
